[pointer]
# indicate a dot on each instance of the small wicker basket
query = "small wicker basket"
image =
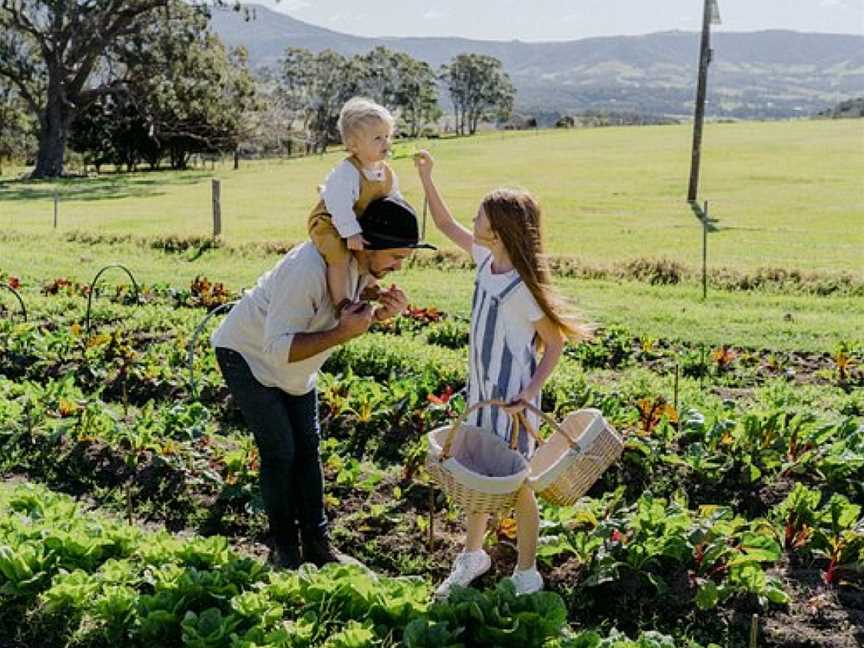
(579, 451)
(449, 462)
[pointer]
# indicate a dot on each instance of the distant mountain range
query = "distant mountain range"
(767, 74)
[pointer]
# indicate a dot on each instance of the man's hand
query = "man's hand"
(392, 302)
(356, 242)
(355, 320)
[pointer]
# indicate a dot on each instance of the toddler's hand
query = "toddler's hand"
(356, 242)
(393, 301)
(424, 162)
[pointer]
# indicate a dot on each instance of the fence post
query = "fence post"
(56, 206)
(217, 207)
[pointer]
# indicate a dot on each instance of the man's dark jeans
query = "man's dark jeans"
(287, 434)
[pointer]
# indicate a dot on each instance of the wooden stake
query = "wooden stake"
(56, 206)
(754, 630)
(431, 540)
(705, 251)
(217, 207)
(676, 397)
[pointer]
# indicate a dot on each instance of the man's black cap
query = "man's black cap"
(390, 222)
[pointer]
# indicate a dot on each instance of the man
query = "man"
(270, 348)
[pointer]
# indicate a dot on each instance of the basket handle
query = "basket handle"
(553, 424)
(517, 419)
(546, 417)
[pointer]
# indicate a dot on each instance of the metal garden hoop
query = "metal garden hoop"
(19, 298)
(93, 286)
(190, 357)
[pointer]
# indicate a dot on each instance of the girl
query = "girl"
(514, 314)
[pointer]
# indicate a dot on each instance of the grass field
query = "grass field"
(785, 194)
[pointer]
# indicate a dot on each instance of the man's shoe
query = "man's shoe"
(466, 567)
(320, 551)
(287, 557)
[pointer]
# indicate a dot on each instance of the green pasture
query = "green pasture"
(784, 194)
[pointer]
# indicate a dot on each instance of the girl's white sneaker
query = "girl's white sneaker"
(466, 567)
(527, 581)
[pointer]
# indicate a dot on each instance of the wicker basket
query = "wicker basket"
(449, 462)
(580, 449)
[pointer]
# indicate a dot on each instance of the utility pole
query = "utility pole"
(710, 16)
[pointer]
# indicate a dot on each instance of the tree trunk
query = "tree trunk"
(52, 149)
(54, 123)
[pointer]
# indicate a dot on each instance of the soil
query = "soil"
(817, 616)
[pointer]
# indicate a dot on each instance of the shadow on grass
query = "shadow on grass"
(111, 186)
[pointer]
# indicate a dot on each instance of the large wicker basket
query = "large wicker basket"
(580, 449)
(452, 462)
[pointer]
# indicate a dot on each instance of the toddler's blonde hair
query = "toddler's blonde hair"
(358, 113)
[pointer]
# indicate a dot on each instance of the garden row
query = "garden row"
(84, 579)
(613, 348)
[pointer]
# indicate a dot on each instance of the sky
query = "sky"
(543, 20)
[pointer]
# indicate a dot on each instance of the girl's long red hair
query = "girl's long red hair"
(515, 218)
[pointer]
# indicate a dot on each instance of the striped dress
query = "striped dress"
(496, 369)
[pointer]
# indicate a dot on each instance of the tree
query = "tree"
(183, 93)
(194, 94)
(379, 75)
(317, 86)
(113, 130)
(401, 83)
(417, 96)
(273, 129)
(479, 89)
(54, 51)
(16, 127)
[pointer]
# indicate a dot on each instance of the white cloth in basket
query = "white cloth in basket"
(480, 460)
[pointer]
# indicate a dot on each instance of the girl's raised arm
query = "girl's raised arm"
(444, 220)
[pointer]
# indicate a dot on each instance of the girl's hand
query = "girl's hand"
(356, 242)
(518, 404)
(424, 162)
